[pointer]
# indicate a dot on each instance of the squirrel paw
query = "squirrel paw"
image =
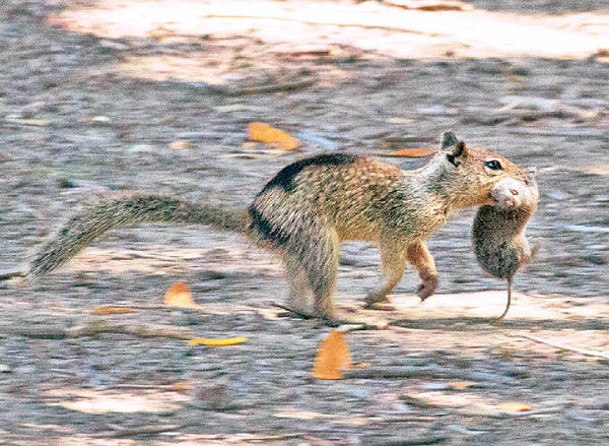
(375, 298)
(381, 306)
(427, 287)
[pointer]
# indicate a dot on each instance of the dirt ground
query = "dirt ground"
(106, 96)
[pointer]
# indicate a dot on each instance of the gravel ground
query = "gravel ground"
(102, 97)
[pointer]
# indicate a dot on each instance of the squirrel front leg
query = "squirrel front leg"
(420, 257)
(393, 262)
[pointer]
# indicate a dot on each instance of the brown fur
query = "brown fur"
(499, 231)
(312, 205)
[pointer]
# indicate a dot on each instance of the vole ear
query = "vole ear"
(531, 174)
(448, 139)
(458, 152)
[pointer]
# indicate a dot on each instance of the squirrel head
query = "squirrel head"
(473, 172)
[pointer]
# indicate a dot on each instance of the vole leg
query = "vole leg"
(393, 262)
(420, 257)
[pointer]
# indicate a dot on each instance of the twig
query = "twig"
(579, 133)
(142, 331)
(266, 88)
(413, 419)
(5, 275)
(581, 351)
(499, 414)
(121, 432)
(391, 373)
(160, 307)
(296, 313)
(26, 122)
(434, 439)
(345, 24)
(100, 327)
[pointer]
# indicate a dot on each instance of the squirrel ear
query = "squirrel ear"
(448, 140)
(458, 152)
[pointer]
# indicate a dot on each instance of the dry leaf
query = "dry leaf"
(181, 386)
(100, 119)
(334, 355)
(301, 414)
(514, 407)
(179, 295)
(418, 152)
(24, 121)
(515, 79)
(180, 145)
(461, 385)
(104, 310)
(217, 342)
(261, 132)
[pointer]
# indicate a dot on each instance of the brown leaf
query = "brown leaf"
(104, 310)
(180, 145)
(179, 295)
(333, 355)
(181, 386)
(261, 132)
(418, 152)
(514, 407)
(461, 385)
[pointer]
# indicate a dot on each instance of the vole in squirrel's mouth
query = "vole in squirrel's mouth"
(499, 240)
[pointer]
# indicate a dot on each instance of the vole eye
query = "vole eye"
(493, 165)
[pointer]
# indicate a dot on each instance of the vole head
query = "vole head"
(511, 194)
(472, 172)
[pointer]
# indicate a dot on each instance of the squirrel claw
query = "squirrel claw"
(427, 287)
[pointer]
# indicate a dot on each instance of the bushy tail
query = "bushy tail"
(92, 222)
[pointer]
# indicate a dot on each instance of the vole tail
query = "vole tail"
(92, 222)
(509, 300)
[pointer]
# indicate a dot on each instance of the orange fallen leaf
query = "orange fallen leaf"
(514, 407)
(418, 152)
(181, 386)
(333, 355)
(461, 385)
(261, 132)
(180, 145)
(179, 295)
(217, 342)
(104, 310)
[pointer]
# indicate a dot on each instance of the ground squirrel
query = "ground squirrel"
(312, 205)
(498, 233)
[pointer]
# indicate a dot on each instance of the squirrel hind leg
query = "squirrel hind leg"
(300, 293)
(312, 263)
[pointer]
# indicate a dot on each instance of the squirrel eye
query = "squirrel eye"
(493, 165)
